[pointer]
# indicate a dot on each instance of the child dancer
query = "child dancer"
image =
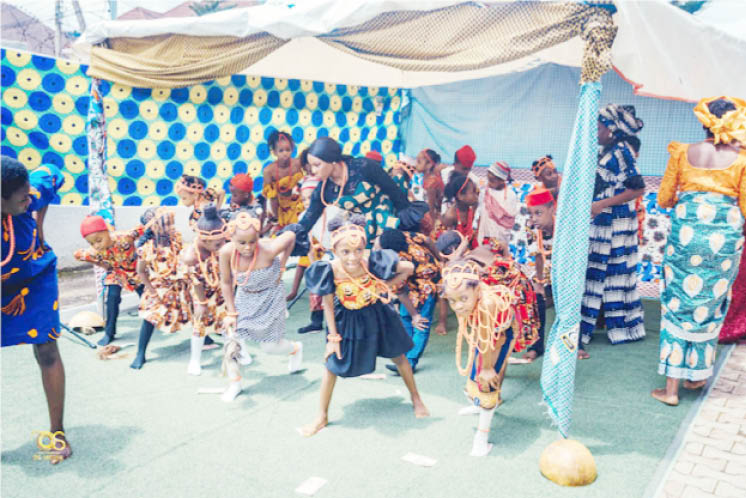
(464, 194)
(418, 293)
(361, 326)
(193, 192)
(315, 254)
(545, 172)
(254, 267)
(500, 206)
(493, 306)
(432, 183)
(115, 253)
(541, 210)
(281, 179)
(201, 262)
(166, 303)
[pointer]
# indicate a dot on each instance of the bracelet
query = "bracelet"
(540, 281)
(203, 303)
(334, 338)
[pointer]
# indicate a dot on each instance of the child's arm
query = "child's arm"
(90, 255)
(440, 329)
(226, 286)
(142, 272)
(403, 270)
(332, 337)
(299, 272)
(418, 321)
(189, 259)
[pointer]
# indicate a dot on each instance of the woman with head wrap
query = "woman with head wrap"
(358, 185)
(705, 183)
(611, 278)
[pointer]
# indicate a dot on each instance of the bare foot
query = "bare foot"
(660, 395)
(420, 410)
(56, 456)
(530, 355)
(311, 429)
(583, 354)
(440, 329)
(694, 385)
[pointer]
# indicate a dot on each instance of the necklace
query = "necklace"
(11, 234)
(204, 268)
(247, 273)
(379, 284)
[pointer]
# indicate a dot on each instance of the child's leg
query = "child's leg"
(327, 388)
(113, 299)
(440, 329)
(232, 369)
(537, 349)
(405, 370)
(146, 332)
(194, 367)
(480, 446)
(294, 349)
(317, 315)
(421, 336)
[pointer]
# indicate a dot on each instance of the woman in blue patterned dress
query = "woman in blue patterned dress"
(30, 309)
(705, 183)
(611, 278)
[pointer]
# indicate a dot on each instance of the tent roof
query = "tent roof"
(662, 50)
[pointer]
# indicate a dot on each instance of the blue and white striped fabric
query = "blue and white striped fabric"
(569, 259)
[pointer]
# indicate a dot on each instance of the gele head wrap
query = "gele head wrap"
(730, 126)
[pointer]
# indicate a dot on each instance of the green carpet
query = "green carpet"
(148, 434)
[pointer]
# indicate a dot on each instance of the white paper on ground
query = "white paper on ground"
(210, 390)
(373, 376)
(419, 460)
(310, 486)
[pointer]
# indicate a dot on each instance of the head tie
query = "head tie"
(243, 221)
(542, 164)
(350, 233)
(457, 273)
(731, 126)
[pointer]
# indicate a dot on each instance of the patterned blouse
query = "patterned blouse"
(121, 256)
(423, 283)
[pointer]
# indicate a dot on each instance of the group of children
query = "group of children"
(420, 236)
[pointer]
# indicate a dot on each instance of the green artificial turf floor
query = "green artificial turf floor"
(148, 433)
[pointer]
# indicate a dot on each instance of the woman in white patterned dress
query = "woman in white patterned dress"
(253, 268)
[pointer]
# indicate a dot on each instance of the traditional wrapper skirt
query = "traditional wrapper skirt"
(700, 263)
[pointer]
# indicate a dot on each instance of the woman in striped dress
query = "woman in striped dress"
(611, 278)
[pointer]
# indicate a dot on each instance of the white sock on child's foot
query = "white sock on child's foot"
(469, 410)
(296, 358)
(481, 447)
(233, 390)
(195, 357)
(244, 357)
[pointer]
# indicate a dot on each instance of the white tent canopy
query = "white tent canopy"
(662, 50)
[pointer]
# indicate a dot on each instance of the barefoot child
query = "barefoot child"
(201, 262)
(490, 319)
(166, 303)
(281, 179)
(30, 308)
(253, 268)
(361, 326)
(115, 253)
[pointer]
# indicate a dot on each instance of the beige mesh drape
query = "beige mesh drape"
(461, 37)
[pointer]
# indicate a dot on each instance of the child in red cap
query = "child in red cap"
(114, 252)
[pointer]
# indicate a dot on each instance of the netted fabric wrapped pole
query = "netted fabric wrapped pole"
(99, 195)
(570, 250)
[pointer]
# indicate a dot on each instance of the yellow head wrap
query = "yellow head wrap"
(730, 127)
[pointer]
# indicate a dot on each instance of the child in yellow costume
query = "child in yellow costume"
(282, 179)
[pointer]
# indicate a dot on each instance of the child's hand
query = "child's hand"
(291, 296)
(488, 378)
(332, 347)
(419, 322)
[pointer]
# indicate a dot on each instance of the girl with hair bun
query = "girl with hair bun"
(193, 192)
(251, 269)
(201, 262)
(431, 182)
(356, 290)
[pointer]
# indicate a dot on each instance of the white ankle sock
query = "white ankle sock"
(296, 358)
(480, 446)
(244, 358)
(194, 367)
(233, 390)
(469, 410)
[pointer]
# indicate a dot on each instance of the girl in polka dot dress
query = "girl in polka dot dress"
(705, 183)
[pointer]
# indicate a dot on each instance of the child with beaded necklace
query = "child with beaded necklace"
(201, 262)
(250, 273)
(360, 324)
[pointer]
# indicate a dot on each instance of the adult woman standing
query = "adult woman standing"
(611, 278)
(706, 183)
(358, 185)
